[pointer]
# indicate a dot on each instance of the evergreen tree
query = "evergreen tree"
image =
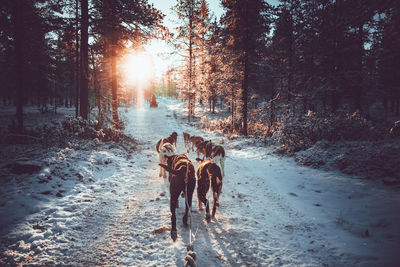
(25, 52)
(119, 21)
(84, 64)
(247, 24)
(389, 60)
(188, 12)
(283, 51)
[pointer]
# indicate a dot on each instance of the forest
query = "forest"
(303, 95)
(293, 58)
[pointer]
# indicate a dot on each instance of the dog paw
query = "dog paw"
(184, 220)
(208, 217)
(174, 235)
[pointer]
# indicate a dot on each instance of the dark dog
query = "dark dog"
(186, 139)
(218, 155)
(208, 175)
(181, 179)
(174, 137)
(194, 140)
(204, 148)
(208, 149)
(170, 139)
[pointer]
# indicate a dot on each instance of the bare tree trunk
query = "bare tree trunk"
(246, 72)
(114, 82)
(18, 39)
(358, 87)
(336, 60)
(192, 96)
(233, 106)
(96, 86)
(385, 106)
(245, 93)
(19, 63)
(77, 58)
(84, 84)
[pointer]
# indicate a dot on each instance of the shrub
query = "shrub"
(92, 130)
(299, 133)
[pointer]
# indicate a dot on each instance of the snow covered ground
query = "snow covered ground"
(99, 205)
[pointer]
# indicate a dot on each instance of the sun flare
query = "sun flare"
(138, 68)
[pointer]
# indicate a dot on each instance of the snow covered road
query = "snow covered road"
(272, 211)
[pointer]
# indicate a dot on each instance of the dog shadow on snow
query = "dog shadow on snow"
(208, 245)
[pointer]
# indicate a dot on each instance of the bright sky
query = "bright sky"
(159, 52)
(164, 53)
(166, 5)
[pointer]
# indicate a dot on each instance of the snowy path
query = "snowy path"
(272, 211)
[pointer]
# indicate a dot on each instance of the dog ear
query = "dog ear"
(168, 169)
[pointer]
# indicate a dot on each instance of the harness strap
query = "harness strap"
(209, 187)
(190, 216)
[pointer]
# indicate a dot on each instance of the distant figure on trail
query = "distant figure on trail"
(153, 102)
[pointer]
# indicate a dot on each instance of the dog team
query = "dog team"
(182, 174)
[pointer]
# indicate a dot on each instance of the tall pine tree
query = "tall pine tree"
(247, 24)
(119, 21)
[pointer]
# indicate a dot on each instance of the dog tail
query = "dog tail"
(187, 172)
(168, 169)
(158, 146)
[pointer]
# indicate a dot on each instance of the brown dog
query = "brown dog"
(204, 148)
(174, 138)
(170, 139)
(166, 150)
(194, 140)
(208, 175)
(186, 139)
(218, 155)
(181, 179)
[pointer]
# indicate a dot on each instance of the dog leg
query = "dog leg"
(185, 216)
(160, 160)
(208, 217)
(202, 199)
(163, 172)
(174, 233)
(222, 162)
(200, 203)
(215, 204)
(189, 196)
